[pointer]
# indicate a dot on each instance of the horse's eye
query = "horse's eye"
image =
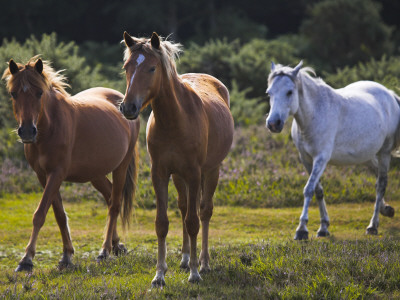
(289, 93)
(39, 94)
(14, 95)
(152, 69)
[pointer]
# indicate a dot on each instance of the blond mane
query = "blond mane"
(168, 53)
(28, 77)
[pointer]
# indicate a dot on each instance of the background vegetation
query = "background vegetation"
(344, 40)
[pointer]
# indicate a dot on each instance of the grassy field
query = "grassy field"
(258, 203)
(253, 255)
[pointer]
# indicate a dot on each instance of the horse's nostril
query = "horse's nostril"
(278, 123)
(19, 131)
(34, 130)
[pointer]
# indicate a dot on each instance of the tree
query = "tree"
(344, 32)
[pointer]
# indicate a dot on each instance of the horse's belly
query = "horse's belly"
(103, 154)
(354, 156)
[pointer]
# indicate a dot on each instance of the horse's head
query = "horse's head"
(143, 74)
(147, 62)
(25, 84)
(283, 95)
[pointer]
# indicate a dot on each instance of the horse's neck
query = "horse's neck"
(313, 99)
(51, 105)
(166, 105)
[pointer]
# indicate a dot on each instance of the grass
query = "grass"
(258, 202)
(253, 255)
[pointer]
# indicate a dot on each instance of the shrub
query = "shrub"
(63, 56)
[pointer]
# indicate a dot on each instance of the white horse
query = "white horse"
(352, 125)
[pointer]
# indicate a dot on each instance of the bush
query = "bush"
(242, 68)
(63, 56)
(385, 71)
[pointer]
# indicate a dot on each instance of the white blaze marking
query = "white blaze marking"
(139, 60)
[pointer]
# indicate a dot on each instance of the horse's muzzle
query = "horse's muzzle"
(129, 110)
(275, 126)
(27, 133)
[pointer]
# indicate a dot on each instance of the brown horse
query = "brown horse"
(78, 139)
(189, 133)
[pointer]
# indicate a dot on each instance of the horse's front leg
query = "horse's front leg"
(53, 184)
(182, 203)
(318, 167)
(381, 183)
(323, 229)
(160, 184)
(62, 221)
(192, 221)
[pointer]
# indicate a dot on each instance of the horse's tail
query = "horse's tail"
(129, 191)
(396, 151)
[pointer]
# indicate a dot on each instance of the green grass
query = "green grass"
(258, 204)
(252, 255)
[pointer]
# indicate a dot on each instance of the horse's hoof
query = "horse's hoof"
(205, 269)
(184, 265)
(65, 264)
(194, 277)
(323, 233)
(371, 231)
(102, 256)
(24, 266)
(301, 235)
(388, 211)
(119, 249)
(158, 282)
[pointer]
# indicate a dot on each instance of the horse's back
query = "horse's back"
(363, 118)
(207, 87)
(110, 95)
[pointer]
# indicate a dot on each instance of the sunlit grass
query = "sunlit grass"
(253, 254)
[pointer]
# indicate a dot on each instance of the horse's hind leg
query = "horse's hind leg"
(323, 229)
(104, 186)
(209, 184)
(182, 203)
(381, 183)
(385, 209)
(114, 208)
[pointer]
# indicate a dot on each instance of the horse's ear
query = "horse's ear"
(129, 42)
(155, 41)
(272, 66)
(13, 67)
(297, 69)
(39, 66)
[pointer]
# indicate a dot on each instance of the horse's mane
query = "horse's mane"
(168, 52)
(281, 70)
(28, 77)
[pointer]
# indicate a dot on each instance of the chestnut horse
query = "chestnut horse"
(78, 139)
(189, 133)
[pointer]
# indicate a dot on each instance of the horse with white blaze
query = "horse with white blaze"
(357, 124)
